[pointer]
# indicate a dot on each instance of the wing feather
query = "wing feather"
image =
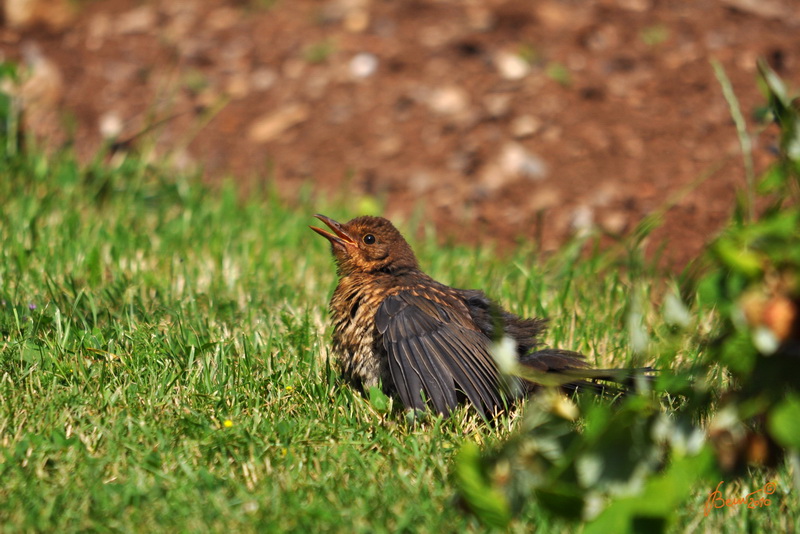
(473, 380)
(406, 380)
(433, 355)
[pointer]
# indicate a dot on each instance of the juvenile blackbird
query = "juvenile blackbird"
(422, 341)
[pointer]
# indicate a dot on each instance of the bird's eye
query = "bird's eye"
(369, 239)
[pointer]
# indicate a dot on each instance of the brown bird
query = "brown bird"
(429, 344)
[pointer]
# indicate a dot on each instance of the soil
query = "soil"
(496, 119)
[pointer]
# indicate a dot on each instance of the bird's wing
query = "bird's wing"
(433, 352)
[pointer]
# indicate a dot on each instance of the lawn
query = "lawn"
(164, 362)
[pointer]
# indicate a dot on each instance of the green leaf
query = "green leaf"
(783, 422)
(738, 353)
(737, 258)
(378, 399)
(674, 383)
(598, 417)
(773, 180)
(710, 289)
(488, 503)
(563, 500)
(774, 83)
(653, 509)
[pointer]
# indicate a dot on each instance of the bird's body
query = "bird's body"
(422, 341)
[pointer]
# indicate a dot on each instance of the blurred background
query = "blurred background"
(492, 119)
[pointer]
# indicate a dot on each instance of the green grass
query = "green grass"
(164, 362)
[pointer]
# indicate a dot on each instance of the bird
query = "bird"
(428, 344)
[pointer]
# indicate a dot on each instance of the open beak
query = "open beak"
(338, 237)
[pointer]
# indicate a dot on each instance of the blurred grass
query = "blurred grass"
(164, 362)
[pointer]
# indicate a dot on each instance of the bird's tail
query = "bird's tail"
(569, 371)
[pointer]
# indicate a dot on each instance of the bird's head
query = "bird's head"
(367, 244)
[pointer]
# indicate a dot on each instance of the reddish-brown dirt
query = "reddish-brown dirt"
(501, 119)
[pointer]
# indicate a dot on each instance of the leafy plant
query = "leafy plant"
(628, 466)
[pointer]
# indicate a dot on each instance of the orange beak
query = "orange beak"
(339, 238)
